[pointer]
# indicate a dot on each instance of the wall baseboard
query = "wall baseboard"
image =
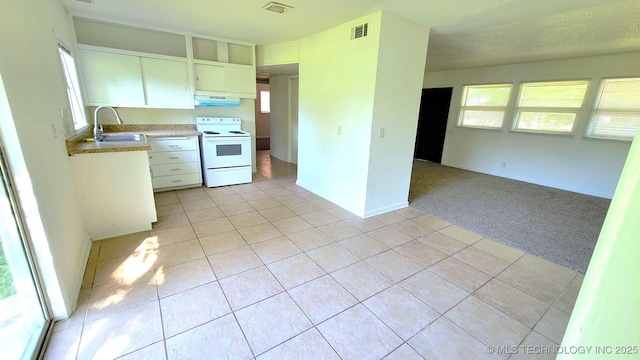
(532, 181)
(303, 185)
(72, 301)
(386, 209)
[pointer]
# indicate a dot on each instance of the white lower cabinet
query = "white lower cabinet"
(175, 162)
(115, 192)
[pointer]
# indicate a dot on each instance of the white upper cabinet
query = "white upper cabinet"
(137, 67)
(240, 80)
(116, 79)
(166, 83)
(209, 78)
(223, 68)
(112, 79)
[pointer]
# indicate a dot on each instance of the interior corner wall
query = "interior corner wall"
(573, 163)
(336, 98)
(31, 69)
(279, 126)
(401, 61)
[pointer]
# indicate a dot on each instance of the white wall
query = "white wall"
(277, 54)
(606, 313)
(402, 55)
(566, 162)
(279, 117)
(337, 87)
(33, 80)
(294, 85)
(349, 90)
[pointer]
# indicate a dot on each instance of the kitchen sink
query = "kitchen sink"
(122, 137)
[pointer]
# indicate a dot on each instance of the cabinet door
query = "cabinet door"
(209, 77)
(166, 83)
(112, 79)
(240, 80)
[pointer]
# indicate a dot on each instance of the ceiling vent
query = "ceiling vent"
(277, 7)
(359, 31)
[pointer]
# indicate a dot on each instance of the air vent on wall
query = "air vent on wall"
(359, 31)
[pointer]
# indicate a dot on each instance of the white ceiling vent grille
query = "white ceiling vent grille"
(277, 7)
(359, 31)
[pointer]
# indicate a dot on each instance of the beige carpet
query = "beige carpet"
(557, 225)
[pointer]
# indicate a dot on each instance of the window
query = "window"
(73, 88)
(483, 106)
(549, 107)
(265, 101)
(616, 113)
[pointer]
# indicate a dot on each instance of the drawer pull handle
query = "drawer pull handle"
(175, 146)
(175, 169)
(174, 157)
(177, 181)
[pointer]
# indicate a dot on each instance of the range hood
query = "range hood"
(205, 100)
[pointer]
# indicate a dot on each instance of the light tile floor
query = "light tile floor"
(268, 270)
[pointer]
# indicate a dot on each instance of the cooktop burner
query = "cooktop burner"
(236, 132)
(212, 132)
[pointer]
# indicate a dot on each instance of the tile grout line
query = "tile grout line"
(326, 273)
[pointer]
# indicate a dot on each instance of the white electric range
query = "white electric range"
(226, 151)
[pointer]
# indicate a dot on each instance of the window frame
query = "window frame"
(596, 110)
(73, 90)
(518, 109)
(265, 109)
(462, 107)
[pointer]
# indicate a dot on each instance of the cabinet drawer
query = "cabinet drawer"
(173, 157)
(176, 180)
(173, 144)
(175, 169)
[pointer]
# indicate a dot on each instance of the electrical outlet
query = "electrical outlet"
(381, 133)
(504, 164)
(339, 129)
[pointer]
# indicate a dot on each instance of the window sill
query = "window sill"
(615, 140)
(533, 132)
(78, 131)
(479, 128)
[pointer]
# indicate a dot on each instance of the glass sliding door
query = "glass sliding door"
(23, 319)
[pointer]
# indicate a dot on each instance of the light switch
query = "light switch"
(381, 133)
(339, 129)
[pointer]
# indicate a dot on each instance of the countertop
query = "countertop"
(77, 144)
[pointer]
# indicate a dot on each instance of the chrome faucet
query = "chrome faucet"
(97, 130)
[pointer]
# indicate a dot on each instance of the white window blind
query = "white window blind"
(549, 107)
(483, 106)
(73, 88)
(616, 113)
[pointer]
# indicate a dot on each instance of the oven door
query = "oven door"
(221, 152)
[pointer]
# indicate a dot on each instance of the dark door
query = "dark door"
(432, 124)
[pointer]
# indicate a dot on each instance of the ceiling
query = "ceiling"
(464, 33)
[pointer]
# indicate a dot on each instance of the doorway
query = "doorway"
(432, 124)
